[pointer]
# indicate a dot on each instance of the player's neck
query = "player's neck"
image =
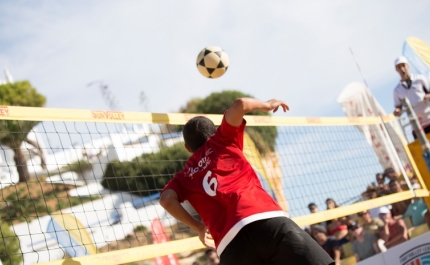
(406, 77)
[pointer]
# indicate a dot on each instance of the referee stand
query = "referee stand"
(422, 140)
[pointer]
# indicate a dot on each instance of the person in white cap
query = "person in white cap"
(394, 231)
(416, 88)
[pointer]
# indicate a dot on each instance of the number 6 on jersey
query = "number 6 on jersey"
(207, 184)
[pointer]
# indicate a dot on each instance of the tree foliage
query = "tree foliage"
(216, 103)
(13, 133)
(10, 252)
(148, 173)
(80, 167)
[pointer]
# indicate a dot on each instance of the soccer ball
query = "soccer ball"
(212, 62)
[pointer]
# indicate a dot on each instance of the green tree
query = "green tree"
(80, 167)
(10, 252)
(148, 173)
(216, 103)
(13, 133)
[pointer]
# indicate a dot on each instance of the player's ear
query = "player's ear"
(188, 149)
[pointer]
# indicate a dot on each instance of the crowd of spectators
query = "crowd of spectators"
(374, 230)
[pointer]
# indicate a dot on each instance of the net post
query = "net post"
(410, 157)
(421, 136)
(396, 156)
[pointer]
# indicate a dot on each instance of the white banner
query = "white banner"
(357, 101)
(413, 252)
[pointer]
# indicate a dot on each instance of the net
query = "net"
(76, 183)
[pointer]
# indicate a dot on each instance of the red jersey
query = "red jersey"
(223, 187)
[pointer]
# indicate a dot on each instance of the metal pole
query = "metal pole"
(416, 126)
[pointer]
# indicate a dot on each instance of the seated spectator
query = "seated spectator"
(371, 225)
(313, 208)
(338, 230)
(365, 245)
(371, 193)
(335, 227)
(382, 188)
(427, 218)
(416, 210)
(391, 174)
(415, 183)
(398, 208)
(331, 204)
(329, 244)
(394, 231)
(347, 220)
(212, 257)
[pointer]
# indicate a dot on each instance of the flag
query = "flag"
(357, 101)
(160, 236)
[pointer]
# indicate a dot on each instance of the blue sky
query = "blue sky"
(294, 50)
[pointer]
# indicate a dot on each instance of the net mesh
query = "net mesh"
(77, 188)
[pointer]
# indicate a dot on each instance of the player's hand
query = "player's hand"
(205, 237)
(274, 105)
(427, 97)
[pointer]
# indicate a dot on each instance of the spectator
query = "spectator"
(335, 227)
(416, 89)
(347, 220)
(329, 244)
(394, 231)
(416, 210)
(313, 208)
(398, 208)
(382, 188)
(371, 225)
(391, 174)
(365, 245)
(427, 218)
(212, 257)
(415, 183)
(371, 193)
(331, 204)
(338, 230)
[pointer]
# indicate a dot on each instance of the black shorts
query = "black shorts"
(275, 241)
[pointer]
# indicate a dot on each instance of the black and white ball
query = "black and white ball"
(212, 62)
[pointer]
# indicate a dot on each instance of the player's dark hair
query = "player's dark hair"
(196, 132)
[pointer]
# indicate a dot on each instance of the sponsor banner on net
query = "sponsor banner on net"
(4, 111)
(109, 115)
(413, 252)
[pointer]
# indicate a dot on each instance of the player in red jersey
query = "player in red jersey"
(246, 223)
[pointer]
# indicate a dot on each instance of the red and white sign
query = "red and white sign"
(159, 236)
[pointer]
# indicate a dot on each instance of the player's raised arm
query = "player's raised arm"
(241, 106)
